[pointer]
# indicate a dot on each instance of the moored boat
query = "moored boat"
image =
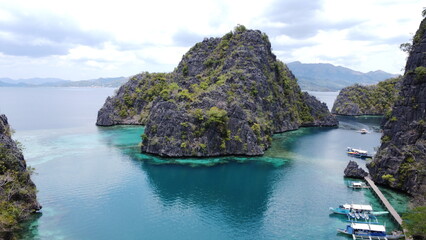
(369, 231)
(354, 152)
(362, 209)
(357, 185)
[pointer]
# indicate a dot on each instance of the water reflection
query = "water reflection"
(240, 196)
(236, 192)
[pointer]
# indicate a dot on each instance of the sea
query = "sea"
(94, 183)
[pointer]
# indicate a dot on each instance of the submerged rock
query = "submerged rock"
(401, 159)
(227, 96)
(17, 192)
(354, 171)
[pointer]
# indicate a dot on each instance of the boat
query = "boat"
(363, 131)
(369, 231)
(357, 185)
(354, 152)
(364, 210)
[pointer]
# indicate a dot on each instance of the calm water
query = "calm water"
(94, 184)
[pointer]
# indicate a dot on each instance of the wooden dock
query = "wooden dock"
(385, 202)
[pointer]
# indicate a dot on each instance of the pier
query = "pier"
(384, 201)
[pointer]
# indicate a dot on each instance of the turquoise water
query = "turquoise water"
(94, 183)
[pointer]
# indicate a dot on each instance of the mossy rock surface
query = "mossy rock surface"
(367, 100)
(227, 96)
(17, 192)
(401, 159)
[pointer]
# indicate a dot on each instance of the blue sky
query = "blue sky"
(78, 40)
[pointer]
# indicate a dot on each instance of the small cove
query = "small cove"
(94, 183)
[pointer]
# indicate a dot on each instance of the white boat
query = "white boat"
(363, 131)
(360, 151)
(355, 152)
(357, 185)
(368, 231)
(363, 209)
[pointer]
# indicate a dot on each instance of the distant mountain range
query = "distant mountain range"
(310, 76)
(327, 77)
(57, 82)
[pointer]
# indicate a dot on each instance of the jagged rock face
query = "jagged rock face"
(319, 112)
(354, 171)
(367, 100)
(17, 192)
(227, 96)
(401, 159)
(7, 143)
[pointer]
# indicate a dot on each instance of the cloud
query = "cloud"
(38, 34)
(293, 11)
(185, 38)
(357, 34)
(302, 19)
(88, 39)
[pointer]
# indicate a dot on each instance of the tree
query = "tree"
(415, 222)
(406, 47)
(424, 12)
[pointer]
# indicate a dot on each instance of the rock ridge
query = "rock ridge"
(227, 96)
(401, 159)
(375, 99)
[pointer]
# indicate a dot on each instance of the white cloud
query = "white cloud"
(87, 39)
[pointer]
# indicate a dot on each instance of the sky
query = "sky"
(78, 40)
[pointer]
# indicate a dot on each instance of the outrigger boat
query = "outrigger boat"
(357, 211)
(354, 152)
(368, 231)
(357, 185)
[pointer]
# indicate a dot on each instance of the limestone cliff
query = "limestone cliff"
(227, 96)
(367, 100)
(401, 159)
(17, 191)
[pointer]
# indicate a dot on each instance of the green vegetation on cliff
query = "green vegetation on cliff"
(400, 161)
(227, 96)
(17, 191)
(415, 222)
(367, 100)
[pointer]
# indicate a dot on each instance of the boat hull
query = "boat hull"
(343, 231)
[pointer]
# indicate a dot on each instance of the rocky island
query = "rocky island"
(18, 198)
(401, 159)
(227, 96)
(375, 99)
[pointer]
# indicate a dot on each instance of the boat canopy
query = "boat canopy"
(356, 184)
(347, 206)
(369, 227)
(362, 207)
(377, 228)
(359, 150)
